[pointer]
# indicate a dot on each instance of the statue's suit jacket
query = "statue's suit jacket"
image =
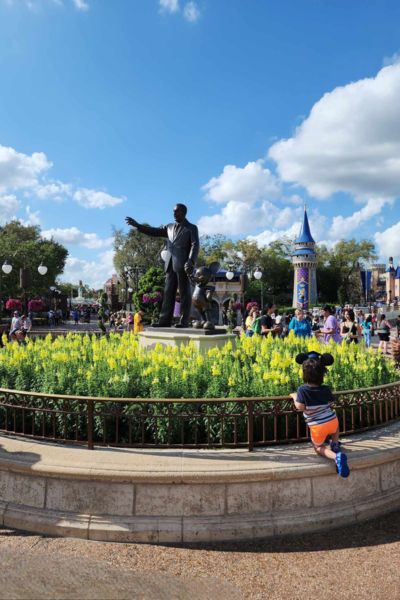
(182, 243)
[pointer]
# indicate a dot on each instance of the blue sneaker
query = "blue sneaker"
(341, 464)
(335, 447)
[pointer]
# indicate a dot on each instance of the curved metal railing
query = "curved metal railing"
(184, 422)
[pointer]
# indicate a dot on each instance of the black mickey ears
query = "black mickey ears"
(300, 358)
(325, 359)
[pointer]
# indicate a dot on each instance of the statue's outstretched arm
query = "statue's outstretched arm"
(146, 229)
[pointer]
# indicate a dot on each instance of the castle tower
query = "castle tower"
(391, 274)
(305, 267)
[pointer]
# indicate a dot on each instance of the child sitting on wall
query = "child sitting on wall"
(314, 400)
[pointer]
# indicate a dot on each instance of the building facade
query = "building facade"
(392, 282)
(305, 267)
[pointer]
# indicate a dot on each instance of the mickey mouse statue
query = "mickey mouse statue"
(202, 294)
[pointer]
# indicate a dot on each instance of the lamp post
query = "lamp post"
(366, 266)
(24, 275)
(6, 269)
(258, 275)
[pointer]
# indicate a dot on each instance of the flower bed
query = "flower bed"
(115, 366)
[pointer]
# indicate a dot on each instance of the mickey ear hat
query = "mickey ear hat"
(325, 359)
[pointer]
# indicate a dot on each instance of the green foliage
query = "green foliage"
(151, 281)
(338, 270)
(134, 249)
(115, 366)
(23, 246)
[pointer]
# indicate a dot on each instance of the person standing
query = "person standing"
(366, 329)
(330, 330)
(300, 325)
(251, 317)
(129, 321)
(383, 332)
(138, 321)
(181, 256)
(350, 327)
(268, 322)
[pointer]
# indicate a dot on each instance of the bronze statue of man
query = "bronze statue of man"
(181, 255)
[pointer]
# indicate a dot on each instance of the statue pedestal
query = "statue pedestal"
(169, 336)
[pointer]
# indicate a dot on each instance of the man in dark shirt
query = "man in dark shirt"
(267, 321)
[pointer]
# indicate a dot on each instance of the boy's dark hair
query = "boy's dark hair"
(314, 366)
(313, 371)
(270, 305)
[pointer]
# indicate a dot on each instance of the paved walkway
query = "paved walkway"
(360, 561)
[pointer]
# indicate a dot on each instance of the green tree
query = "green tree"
(346, 257)
(134, 249)
(24, 247)
(152, 281)
(212, 248)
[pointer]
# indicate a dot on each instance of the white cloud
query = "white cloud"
(245, 193)
(18, 170)
(343, 226)
(32, 217)
(391, 60)
(9, 205)
(94, 199)
(171, 6)
(248, 184)
(236, 218)
(191, 12)
(55, 190)
(73, 235)
(26, 173)
(388, 241)
(271, 235)
(350, 141)
(81, 5)
(94, 273)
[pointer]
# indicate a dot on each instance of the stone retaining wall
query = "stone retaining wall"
(229, 496)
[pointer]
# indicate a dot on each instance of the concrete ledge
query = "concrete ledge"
(169, 336)
(173, 496)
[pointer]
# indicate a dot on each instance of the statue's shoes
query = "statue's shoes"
(182, 325)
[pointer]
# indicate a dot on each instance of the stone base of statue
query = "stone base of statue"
(203, 339)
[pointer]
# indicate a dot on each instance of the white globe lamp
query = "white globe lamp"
(42, 269)
(6, 268)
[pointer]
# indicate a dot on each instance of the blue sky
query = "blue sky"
(242, 109)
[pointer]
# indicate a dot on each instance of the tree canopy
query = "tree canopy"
(134, 249)
(23, 247)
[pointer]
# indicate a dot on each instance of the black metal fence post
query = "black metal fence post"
(90, 424)
(250, 425)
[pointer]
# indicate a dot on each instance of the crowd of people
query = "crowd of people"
(329, 323)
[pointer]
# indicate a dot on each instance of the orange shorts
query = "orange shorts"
(319, 433)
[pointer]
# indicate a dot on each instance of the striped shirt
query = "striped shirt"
(317, 401)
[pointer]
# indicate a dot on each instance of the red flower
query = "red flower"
(13, 304)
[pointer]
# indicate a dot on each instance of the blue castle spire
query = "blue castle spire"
(305, 236)
(305, 264)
